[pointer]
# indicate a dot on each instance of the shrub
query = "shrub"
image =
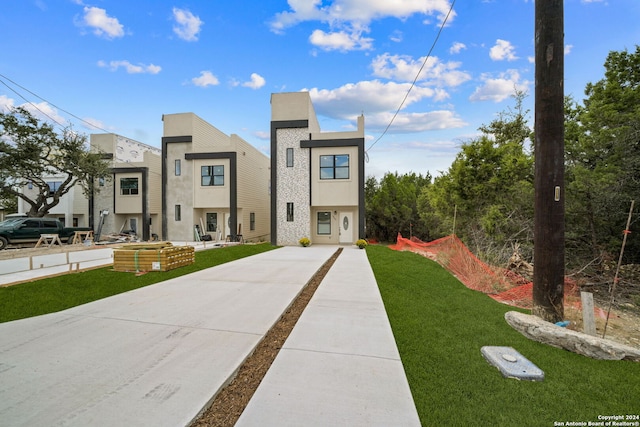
(304, 242)
(361, 243)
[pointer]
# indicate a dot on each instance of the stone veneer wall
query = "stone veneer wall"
(292, 186)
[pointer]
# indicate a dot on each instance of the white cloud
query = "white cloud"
(396, 36)
(256, 82)
(6, 103)
(41, 110)
(415, 122)
(347, 101)
(503, 50)
(103, 25)
(348, 19)
(47, 113)
(187, 24)
(379, 101)
(340, 40)
(206, 79)
(500, 88)
(457, 47)
(434, 156)
(363, 11)
(262, 134)
(405, 68)
(131, 68)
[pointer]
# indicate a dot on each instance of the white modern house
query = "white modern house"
(317, 178)
(213, 184)
(73, 208)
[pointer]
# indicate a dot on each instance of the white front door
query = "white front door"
(346, 227)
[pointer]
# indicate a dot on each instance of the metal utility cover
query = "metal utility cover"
(511, 363)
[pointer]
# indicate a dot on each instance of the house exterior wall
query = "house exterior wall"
(219, 211)
(127, 203)
(339, 202)
(253, 190)
(178, 192)
(292, 184)
(335, 191)
(206, 196)
(142, 211)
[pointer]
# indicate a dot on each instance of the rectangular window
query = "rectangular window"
(178, 213)
(289, 157)
(53, 187)
(212, 221)
(324, 223)
(128, 186)
(252, 221)
(178, 167)
(289, 212)
(47, 223)
(334, 166)
(101, 181)
(212, 175)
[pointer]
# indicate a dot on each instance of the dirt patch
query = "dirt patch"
(229, 403)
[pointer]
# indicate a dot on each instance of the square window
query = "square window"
(128, 186)
(334, 166)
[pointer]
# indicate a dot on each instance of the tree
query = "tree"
(31, 150)
(489, 189)
(391, 206)
(603, 161)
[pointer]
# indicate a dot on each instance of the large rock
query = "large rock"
(539, 330)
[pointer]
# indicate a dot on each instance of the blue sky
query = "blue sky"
(121, 65)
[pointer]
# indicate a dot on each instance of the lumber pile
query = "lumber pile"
(161, 256)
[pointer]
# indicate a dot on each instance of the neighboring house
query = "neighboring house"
(73, 208)
(215, 182)
(317, 179)
(132, 197)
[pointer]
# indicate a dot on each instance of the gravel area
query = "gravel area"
(229, 403)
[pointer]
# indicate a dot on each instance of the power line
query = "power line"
(30, 103)
(48, 102)
(416, 79)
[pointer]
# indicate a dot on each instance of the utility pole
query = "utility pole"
(548, 272)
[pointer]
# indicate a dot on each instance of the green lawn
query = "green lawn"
(440, 326)
(62, 292)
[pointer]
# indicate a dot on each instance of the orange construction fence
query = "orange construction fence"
(500, 284)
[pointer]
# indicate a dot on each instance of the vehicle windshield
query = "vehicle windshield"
(9, 221)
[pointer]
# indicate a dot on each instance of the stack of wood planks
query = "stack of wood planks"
(161, 256)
